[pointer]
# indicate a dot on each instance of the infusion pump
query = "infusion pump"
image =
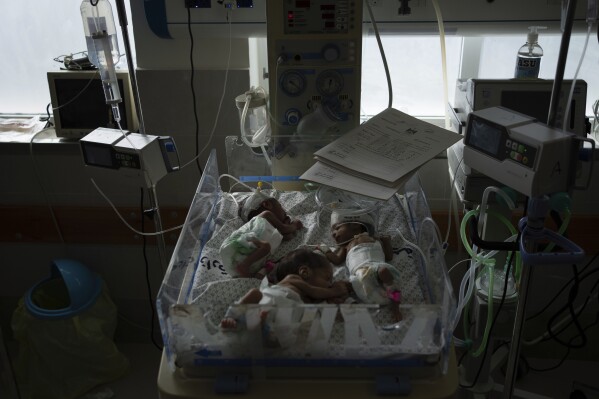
(145, 158)
(520, 152)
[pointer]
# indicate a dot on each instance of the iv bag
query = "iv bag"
(102, 46)
(98, 22)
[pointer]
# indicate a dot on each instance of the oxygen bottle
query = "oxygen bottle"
(528, 60)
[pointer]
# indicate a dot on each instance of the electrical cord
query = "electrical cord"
(568, 348)
(556, 296)
(147, 267)
(570, 307)
(569, 102)
(220, 104)
(578, 312)
(48, 123)
(193, 92)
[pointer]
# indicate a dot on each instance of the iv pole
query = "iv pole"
(122, 15)
(534, 228)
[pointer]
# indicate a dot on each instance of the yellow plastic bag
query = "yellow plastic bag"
(66, 357)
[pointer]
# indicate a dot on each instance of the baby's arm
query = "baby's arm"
(311, 291)
(262, 249)
(337, 257)
(284, 228)
(387, 247)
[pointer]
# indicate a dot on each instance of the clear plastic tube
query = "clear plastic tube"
(102, 48)
(584, 51)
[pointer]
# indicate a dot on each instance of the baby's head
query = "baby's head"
(259, 202)
(345, 223)
(311, 266)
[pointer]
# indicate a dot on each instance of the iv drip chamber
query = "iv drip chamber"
(102, 45)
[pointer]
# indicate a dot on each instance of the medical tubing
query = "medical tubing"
(477, 260)
(483, 344)
(125, 222)
(452, 200)
(466, 318)
(582, 55)
(383, 57)
(436, 230)
(465, 293)
(485, 200)
(248, 98)
(40, 182)
(501, 302)
(443, 61)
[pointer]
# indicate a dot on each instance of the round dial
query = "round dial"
(329, 82)
(292, 83)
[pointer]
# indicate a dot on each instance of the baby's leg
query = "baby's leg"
(386, 278)
(229, 322)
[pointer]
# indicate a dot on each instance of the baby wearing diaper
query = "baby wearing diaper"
(266, 224)
(373, 279)
(303, 275)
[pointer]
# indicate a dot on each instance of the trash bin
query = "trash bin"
(64, 326)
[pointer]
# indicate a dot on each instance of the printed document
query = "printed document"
(376, 158)
(387, 147)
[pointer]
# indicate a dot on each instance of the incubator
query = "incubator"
(349, 341)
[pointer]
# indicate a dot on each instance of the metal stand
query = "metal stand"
(158, 223)
(532, 234)
(122, 14)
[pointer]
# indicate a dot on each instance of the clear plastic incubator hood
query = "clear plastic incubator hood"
(312, 341)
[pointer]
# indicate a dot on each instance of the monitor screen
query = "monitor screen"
(531, 103)
(79, 105)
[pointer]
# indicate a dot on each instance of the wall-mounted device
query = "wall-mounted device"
(527, 96)
(142, 157)
(79, 106)
(314, 61)
(520, 152)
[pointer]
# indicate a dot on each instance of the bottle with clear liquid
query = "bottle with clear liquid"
(528, 60)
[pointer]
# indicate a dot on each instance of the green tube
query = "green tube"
(485, 340)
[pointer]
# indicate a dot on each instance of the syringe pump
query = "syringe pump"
(139, 156)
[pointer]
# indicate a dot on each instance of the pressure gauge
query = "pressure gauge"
(292, 83)
(329, 82)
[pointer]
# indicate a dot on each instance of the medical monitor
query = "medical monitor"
(79, 105)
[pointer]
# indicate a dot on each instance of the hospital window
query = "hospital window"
(417, 78)
(414, 61)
